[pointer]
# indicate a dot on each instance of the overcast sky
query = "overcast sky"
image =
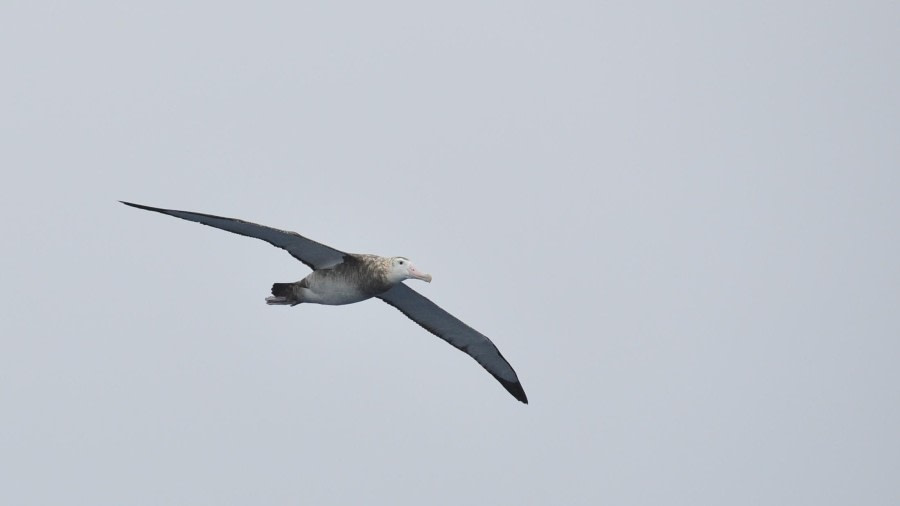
(678, 222)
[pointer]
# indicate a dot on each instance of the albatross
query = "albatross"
(344, 278)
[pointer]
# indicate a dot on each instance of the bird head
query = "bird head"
(401, 268)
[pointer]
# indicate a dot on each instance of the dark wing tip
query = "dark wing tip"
(515, 388)
(138, 206)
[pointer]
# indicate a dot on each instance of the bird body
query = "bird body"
(340, 278)
(356, 278)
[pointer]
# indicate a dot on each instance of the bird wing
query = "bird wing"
(311, 253)
(449, 328)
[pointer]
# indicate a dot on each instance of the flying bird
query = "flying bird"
(344, 278)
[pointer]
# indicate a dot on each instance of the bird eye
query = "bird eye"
(401, 262)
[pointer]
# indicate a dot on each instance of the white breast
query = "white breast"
(332, 290)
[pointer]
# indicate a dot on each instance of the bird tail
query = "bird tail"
(282, 295)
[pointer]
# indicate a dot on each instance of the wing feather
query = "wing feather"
(311, 253)
(449, 328)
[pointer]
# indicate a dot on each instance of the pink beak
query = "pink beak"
(416, 273)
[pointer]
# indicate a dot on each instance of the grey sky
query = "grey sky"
(679, 222)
